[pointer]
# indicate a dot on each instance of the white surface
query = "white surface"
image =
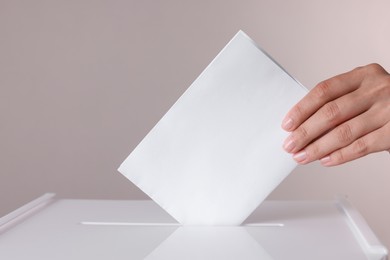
(217, 153)
(363, 233)
(311, 230)
(209, 243)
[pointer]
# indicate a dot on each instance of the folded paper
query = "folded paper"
(217, 153)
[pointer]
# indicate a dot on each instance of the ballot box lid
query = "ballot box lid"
(51, 228)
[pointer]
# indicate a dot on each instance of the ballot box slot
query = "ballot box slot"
(98, 223)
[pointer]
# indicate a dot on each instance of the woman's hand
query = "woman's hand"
(342, 118)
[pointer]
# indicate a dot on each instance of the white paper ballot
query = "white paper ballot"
(217, 153)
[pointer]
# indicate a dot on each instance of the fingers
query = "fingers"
(341, 119)
(324, 92)
(342, 136)
(326, 118)
(375, 141)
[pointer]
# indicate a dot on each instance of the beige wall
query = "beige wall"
(83, 81)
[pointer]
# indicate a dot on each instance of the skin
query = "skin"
(342, 118)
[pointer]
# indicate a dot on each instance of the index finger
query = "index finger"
(321, 94)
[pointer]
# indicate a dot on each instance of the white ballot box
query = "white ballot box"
(50, 228)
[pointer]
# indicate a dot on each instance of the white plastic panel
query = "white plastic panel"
(276, 230)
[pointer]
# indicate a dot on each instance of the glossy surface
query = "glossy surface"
(142, 230)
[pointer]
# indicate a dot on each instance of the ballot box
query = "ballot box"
(51, 228)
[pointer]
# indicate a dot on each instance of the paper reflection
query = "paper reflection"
(200, 242)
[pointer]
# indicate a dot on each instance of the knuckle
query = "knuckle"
(313, 152)
(338, 157)
(385, 87)
(323, 90)
(374, 68)
(302, 133)
(359, 68)
(344, 134)
(331, 112)
(360, 147)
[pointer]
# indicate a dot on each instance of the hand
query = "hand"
(342, 118)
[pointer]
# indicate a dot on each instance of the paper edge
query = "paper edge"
(238, 34)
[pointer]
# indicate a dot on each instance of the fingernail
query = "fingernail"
(287, 124)
(300, 157)
(289, 145)
(325, 160)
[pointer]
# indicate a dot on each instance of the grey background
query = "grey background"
(82, 82)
